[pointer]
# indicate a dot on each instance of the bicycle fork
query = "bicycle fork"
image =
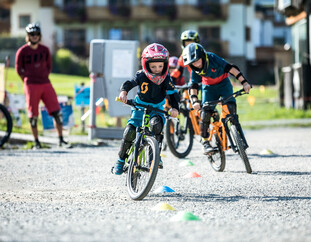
(234, 120)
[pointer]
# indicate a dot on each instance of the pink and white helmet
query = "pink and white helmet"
(155, 53)
(173, 61)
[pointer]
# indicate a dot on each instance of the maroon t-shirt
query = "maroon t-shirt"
(34, 66)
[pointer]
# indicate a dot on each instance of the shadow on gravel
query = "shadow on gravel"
(192, 197)
(283, 173)
(279, 156)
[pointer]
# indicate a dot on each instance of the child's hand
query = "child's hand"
(246, 87)
(123, 96)
(174, 113)
(196, 106)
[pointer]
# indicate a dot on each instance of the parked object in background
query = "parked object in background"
(5, 125)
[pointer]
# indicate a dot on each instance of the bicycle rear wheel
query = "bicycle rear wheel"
(142, 173)
(217, 159)
(179, 135)
(239, 143)
(6, 125)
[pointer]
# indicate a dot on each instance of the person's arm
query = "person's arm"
(19, 64)
(125, 88)
(174, 96)
(179, 68)
(49, 62)
(235, 71)
(194, 86)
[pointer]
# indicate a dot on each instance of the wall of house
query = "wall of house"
(233, 30)
(43, 15)
(47, 27)
(23, 7)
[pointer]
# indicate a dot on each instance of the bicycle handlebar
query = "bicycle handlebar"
(182, 88)
(224, 100)
(134, 104)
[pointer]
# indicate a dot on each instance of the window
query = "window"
(209, 33)
(169, 38)
(247, 33)
(210, 39)
(121, 34)
(75, 41)
(4, 14)
(24, 20)
(165, 34)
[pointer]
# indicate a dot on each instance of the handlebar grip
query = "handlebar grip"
(118, 99)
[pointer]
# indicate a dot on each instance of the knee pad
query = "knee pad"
(129, 133)
(231, 107)
(205, 122)
(156, 125)
(33, 122)
(57, 115)
(128, 137)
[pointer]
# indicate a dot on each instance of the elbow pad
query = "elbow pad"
(229, 66)
(194, 86)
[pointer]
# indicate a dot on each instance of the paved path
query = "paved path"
(70, 195)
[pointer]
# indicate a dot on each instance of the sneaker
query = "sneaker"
(37, 145)
(207, 148)
(118, 167)
(63, 143)
(160, 164)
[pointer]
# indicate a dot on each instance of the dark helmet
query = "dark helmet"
(191, 35)
(192, 53)
(32, 28)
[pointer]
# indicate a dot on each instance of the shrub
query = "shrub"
(65, 62)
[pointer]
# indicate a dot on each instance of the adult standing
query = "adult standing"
(33, 64)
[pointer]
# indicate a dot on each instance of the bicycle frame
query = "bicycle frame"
(193, 114)
(222, 124)
(142, 131)
(217, 124)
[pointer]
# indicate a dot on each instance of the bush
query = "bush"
(9, 43)
(65, 62)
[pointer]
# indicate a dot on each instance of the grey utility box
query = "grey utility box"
(111, 63)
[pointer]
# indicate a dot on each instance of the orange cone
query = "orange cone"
(192, 175)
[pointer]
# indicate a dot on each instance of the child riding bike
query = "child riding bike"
(154, 83)
(213, 71)
(187, 37)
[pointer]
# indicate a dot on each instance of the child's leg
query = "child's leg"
(156, 126)
(128, 137)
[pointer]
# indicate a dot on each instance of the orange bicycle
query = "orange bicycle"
(179, 133)
(225, 133)
(224, 129)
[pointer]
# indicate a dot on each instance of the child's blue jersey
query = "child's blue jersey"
(213, 72)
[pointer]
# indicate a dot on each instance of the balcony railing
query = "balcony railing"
(165, 8)
(75, 11)
(120, 8)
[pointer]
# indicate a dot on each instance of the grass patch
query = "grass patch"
(265, 106)
(260, 104)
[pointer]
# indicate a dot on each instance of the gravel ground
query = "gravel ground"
(70, 195)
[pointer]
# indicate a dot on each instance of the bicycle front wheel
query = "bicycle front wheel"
(6, 125)
(239, 143)
(179, 135)
(142, 173)
(217, 159)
